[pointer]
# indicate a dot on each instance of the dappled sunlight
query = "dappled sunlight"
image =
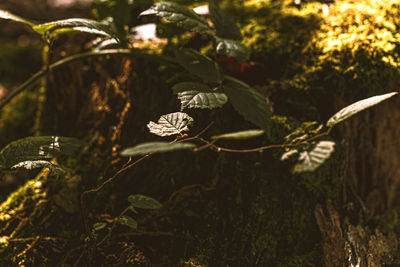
(353, 26)
(286, 161)
(31, 192)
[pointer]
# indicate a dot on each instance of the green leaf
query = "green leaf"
(38, 148)
(155, 147)
(311, 160)
(129, 221)
(99, 225)
(223, 23)
(8, 16)
(77, 25)
(239, 135)
(199, 65)
(356, 107)
(144, 202)
(30, 165)
(197, 95)
(171, 124)
(248, 102)
(181, 16)
(232, 48)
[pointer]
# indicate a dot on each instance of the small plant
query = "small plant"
(206, 87)
(137, 202)
(209, 89)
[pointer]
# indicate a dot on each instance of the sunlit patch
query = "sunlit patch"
(4, 241)
(201, 10)
(64, 3)
(356, 26)
(145, 32)
(4, 217)
(41, 151)
(55, 142)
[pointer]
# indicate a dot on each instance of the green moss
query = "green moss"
(281, 126)
(354, 50)
(31, 192)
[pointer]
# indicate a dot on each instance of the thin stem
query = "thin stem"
(262, 148)
(125, 168)
(95, 190)
(197, 135)
(113, 226)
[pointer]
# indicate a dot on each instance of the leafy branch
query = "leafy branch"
(311, 155)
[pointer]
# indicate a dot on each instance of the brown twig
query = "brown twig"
(31, 245)
(125, 168)
(262, 148)
(197, 137)
(95, 190)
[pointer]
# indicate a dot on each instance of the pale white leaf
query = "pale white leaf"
(171, 124)
(179, 15)
(155, 147)
(239, 135)
(9, 16)
(311, 160)
(30, 165)
(357, 107)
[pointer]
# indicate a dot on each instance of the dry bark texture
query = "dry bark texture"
(355, 245)
(370, 192)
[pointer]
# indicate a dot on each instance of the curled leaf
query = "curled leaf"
(356, 107)
(288, 154)
(155, 147)
(180, 15)
(9, 16)
(109, 43)
(54, 28)
(232, 48)
(239, 135)
(171, 124)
